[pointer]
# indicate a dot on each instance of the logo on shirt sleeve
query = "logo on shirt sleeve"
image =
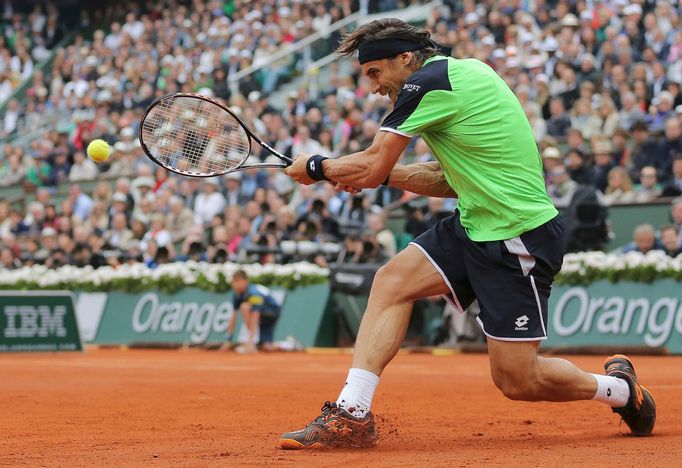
(411, 87)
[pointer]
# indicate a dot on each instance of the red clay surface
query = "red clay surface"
(201, 408)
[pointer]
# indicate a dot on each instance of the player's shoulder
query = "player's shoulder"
(432, 76)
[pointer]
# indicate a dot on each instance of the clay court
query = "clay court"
(206, 408)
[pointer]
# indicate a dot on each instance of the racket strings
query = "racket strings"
(194, 136)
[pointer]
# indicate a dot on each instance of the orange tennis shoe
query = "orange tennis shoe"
(334, 428)
(640, 412)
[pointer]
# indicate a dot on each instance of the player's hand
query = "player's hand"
(347, 188)
(298, 171)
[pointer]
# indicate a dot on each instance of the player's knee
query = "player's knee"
(390, 283)
(516, 385)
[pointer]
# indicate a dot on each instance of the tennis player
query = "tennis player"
(503, 246)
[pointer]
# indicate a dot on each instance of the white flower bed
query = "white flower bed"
(169, 277)
(578, 268)
(585, 267)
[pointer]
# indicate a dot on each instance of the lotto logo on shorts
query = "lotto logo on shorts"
(521, 323)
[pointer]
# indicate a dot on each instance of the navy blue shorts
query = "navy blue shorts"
(267, 328)
(510, 278)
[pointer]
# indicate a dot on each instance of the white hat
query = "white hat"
(513, 62)
(569, 20)
(143, 181)
(534, 61)
(471, 18)
(127, 132)
(586, 15)
(236, 175)
(632, 9)
(119, 197)
(48, 231)
(499, 53)
(488, 40)
(104, 95)
(550, 44)
(551, 153)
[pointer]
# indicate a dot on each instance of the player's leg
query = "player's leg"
(512, 281)
(431, 265)
(521, 374)
(250, 322)
(406, 278)
(266, 329)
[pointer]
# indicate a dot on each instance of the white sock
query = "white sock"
(356, 395)
(613, 391)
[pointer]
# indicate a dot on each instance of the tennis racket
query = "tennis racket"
(197, 136)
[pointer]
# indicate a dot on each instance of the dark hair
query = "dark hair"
(195, 248)
(666, 227)
(240, 274)
(388, 28)
(639, 125)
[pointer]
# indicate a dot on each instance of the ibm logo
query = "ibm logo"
(29, 321)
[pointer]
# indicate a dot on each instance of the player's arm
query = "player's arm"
(421, 178)
(365, 169)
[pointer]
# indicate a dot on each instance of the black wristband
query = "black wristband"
(314, 167)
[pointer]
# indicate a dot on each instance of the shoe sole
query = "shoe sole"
(291, 444)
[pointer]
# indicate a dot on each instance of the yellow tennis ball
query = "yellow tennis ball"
(98, 150)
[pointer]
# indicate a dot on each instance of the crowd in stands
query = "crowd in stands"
(600, 86)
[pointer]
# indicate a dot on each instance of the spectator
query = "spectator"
(629, 113)
(674, 187)
(559, 121)
(303, 143)
(660, 111)
(12, 171)
(119, 236)
(537, 123)
(608, 117)
(81, 203)
(670, 240)
(562, 187)
(644, 240)
(619, 189)
(648, 189)
(83, 168)
(376, 223)
(179, 220)
(576, 164)
(676, 214)
(644, 150)
(670, 146)
(603, 163)
(98, 218)
(208, 203)
(584, 118)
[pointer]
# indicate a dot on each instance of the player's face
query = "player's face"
(239, 285)
(387, 76)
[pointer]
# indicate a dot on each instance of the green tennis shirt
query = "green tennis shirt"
(479, 133)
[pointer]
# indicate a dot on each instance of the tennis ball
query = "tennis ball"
(98, 150)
